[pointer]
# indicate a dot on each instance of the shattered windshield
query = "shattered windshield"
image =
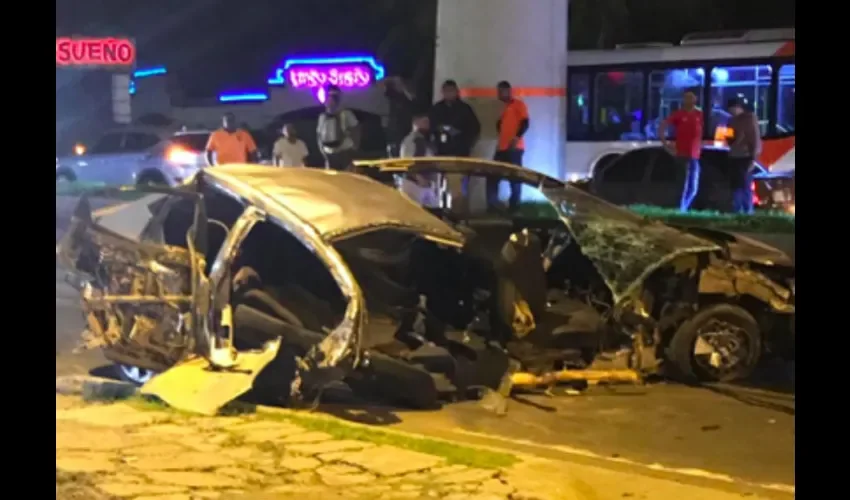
(624, 247)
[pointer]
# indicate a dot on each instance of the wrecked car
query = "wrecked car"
(291, 280)
(705, 304)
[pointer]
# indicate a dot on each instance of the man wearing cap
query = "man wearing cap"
(512, 126)
(688, 144)
(744, 138)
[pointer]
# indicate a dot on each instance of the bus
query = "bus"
(617, 98)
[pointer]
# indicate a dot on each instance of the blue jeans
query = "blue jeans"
(690, 188)
(742, 185)
(514, 157)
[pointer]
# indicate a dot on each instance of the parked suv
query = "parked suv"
(138, 155)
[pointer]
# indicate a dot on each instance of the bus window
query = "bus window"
(785, 100)
(578, 107)
(750, 83)
(666, 87)
(618, 108)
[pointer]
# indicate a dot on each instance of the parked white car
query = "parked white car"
(137, 155)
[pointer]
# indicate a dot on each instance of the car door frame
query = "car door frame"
(85, 230)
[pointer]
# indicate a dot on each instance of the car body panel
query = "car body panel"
(742, 248)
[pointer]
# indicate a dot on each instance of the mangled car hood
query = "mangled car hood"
(742, 248)
(624, 247)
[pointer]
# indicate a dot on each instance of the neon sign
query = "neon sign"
(95, 52)
(314, 73)
(352, 76)
(155, 71)
(243, 97)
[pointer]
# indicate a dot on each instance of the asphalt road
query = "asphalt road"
(731, 436)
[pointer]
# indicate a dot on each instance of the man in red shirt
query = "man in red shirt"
(688, 123)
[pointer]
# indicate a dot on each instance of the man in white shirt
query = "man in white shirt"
(289, 150)
(422, 188)
(337, 132)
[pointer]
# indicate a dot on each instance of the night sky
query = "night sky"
(214, 45)
(211, 46)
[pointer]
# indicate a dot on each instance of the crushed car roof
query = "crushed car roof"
(623, 246)
(336, 204)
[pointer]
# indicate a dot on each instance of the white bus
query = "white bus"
(617, 98)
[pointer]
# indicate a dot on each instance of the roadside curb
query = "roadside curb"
(94, 388)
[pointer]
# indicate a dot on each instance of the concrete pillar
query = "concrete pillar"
(480, 42)
(121, 109)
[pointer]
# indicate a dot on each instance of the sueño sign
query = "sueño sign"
(119, 52)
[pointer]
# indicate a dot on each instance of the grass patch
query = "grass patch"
(759, 222)
(451, 452)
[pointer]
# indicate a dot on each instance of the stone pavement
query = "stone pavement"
(120, 451)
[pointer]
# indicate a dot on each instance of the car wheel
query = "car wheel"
(133, 374)
(151, 179)
(65, 176)
(720, 343)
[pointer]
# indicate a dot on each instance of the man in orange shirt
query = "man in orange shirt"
(512, 126)
(230, 144)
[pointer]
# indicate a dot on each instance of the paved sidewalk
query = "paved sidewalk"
(123, 450)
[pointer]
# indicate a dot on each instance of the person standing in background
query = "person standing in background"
(454, 123)
(744, 147)
(289, 150)
(230, 144)
(337, 132)
(689, 123)
(401, 103)
(512, 126)
(455, 126)
(422, 188)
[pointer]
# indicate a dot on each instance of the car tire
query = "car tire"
(151, 178)
(690, 366)
(133, 374)
(65, 176)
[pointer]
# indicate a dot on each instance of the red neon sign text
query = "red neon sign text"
(95, 52)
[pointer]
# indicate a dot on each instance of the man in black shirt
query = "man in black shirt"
(401, 103)
(454, 124)
(455, 127)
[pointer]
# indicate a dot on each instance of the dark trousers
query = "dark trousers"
(690, 167)
(340, 160)
(741, 181)
(514, 157)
